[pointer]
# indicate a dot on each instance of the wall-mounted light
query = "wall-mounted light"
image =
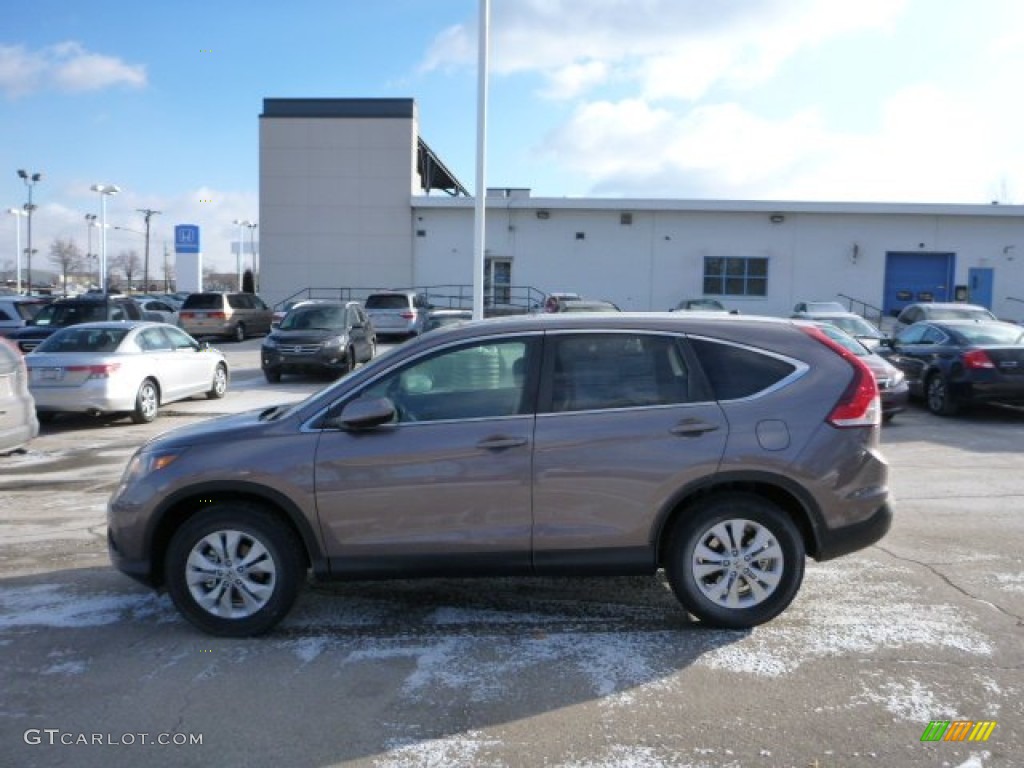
(776, 218)
(543, 214)
(854, 253)
(1008, 251)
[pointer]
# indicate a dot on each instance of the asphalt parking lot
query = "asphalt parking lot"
(927, 625)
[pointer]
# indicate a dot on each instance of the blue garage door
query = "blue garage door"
(911, 277)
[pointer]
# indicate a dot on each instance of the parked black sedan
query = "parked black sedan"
(955, 363)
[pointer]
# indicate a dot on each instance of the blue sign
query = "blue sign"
(186, 238)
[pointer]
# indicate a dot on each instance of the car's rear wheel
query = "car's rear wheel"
(219, 387)
(938, 397)
(147, 402)
(735, 560)
(239, 334)
(234, 569)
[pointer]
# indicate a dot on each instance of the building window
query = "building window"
(626, 219)
(735, 276)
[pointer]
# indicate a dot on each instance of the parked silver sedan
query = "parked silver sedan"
(116, 367)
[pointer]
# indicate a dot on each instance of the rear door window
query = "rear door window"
(598, 371)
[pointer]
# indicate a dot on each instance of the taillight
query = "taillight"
(218, 315)
(859, 405)
(95, 371)
(407, 315)
(977, 359)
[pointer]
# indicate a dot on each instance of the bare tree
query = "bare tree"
(67, 257)
(130, 263)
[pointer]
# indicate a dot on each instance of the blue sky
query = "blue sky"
(888, 100)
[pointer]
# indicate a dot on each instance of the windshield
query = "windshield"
(959, 313)
(855, 326)
(312, 318)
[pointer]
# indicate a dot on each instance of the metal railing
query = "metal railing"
(867, 311)
(499, 300)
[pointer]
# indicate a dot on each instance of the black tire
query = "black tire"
(272, 375)
(219, 386)
(888, 417)
(256, 592)
(350, 360)
(45, 417)
(147, 403)
(701, 583)
(239, 334)
(937, 396)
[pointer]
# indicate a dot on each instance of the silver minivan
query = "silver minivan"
(721, 450)
(231, 315)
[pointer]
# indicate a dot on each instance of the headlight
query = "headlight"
(334, 342)
(144, 463)
(270, 342)
(896, 377)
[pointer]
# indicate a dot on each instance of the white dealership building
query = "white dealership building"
(352, 198)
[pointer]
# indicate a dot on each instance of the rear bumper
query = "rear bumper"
(836, 542)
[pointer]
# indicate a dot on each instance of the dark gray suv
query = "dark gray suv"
(723, 450)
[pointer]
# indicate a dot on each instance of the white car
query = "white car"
(116, 367)
(18, 423)
(158, 309)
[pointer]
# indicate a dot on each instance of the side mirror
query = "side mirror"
(365, 413)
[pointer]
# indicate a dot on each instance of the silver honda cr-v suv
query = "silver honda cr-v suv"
(723, 450)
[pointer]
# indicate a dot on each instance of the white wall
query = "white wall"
(659, 259)
(334, 203)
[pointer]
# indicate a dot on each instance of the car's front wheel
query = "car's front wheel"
(735, 560)
(147, 402)
(234, 570)
(272, 375)
(219, 387)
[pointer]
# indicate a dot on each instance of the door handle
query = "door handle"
(500, 443)
(693, 428)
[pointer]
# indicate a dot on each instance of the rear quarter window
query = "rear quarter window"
(736, 372)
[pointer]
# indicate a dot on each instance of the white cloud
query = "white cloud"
(66, 66)
(669, 48)
(930, 146)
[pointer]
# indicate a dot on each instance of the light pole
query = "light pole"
(241, 242)
(90, 225)
(30, 180)
(252, 249)
(148, 213)
(17, 240)
(105, 191)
